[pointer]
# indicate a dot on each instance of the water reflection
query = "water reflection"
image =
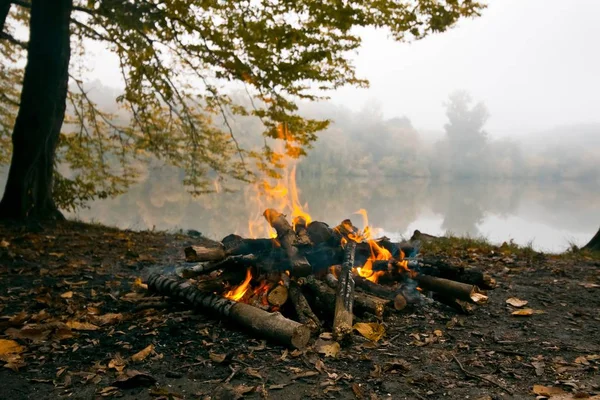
(549, 214)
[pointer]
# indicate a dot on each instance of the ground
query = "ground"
(72, 303)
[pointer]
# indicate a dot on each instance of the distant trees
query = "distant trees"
(175, 59)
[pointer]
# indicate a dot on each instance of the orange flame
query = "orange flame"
(239, 291)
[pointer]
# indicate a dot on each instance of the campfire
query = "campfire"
(310, 277)
(293, 278)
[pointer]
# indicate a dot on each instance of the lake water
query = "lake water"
(548, 215)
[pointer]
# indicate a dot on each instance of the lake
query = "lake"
(550, 216)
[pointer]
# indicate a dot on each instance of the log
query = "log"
(202, 253)
(462, 307)
(278, 296)
(272, 326)
(437, 267)
(217, 284)
(324, 298)
(232, 262)
(344, 297)
(319, 232)
(286, 236)
(453, 289)
(399, 301)
(302, 238)
(303, 311)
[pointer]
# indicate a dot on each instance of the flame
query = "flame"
(239, 291)
(377, 252)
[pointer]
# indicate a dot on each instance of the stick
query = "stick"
(303, 310)
(344, 297)
(483, 378)
(286, 236)
(238, 262)
(273, 326)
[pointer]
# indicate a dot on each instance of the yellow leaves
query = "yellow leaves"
(108, 319)
(372, 330)
(67, 295)
(218, 358)
(143, 354)
(118, 363)
(526, 312)
(41, 332)
(10, 353)
(548, 391)
(82, 326)
(328, 349)
(515, 302)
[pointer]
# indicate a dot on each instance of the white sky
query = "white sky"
(535, 63)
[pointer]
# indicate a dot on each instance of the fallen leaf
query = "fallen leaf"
(81, 326)
(253, 373)
(397, 364)
(67, 295)
(525, 312)
(117, 363)
(582, 360)
(218, 358)
(41, 332)
(141, 355)
(133, 379)
(108, 319)
(438, 333)
(328, 349)
(108, 391)
(357, 391)
(9, 347)
(372, 330)
(547, 390)
(518, 303)
(539, 367)
(326, 336)
(277, 387)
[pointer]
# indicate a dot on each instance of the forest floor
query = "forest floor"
(76, 322)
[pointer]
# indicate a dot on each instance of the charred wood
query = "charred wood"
(302, 238)
(303, 311)
(344, 298)
(286, 236)
(272, 326)
(203, 253)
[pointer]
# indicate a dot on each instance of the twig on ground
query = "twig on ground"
(233, 372)
(483, 378)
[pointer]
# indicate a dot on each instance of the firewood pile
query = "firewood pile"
(310, 278)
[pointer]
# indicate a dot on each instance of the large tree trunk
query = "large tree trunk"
(594, 244)
(28, 192)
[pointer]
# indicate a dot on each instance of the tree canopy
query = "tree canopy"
(178, 61)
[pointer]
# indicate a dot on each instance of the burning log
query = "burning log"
(303, 311)
(453, 289)
(320, 232)
(273, 326)
(202, 253)
(325, 299)
(344, 298)
(302, 237)
(384, 292)
(286, 236)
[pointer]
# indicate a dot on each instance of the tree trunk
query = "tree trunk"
(4, 9)
(594, 244)
(28, 193)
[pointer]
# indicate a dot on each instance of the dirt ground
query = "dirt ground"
(72, 303)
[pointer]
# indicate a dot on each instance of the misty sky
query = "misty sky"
(534, 63)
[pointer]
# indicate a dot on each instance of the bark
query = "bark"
(324, 299)
(441, 269)
(302, 237)
(202, 253)
(4, 9)
(272, 326)
(452, 289)
(230, 263)
(286, 236)
(381, 291)
(28, 193)
(278, 296)
(344, 297)
(303, 311)
(594, 244)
